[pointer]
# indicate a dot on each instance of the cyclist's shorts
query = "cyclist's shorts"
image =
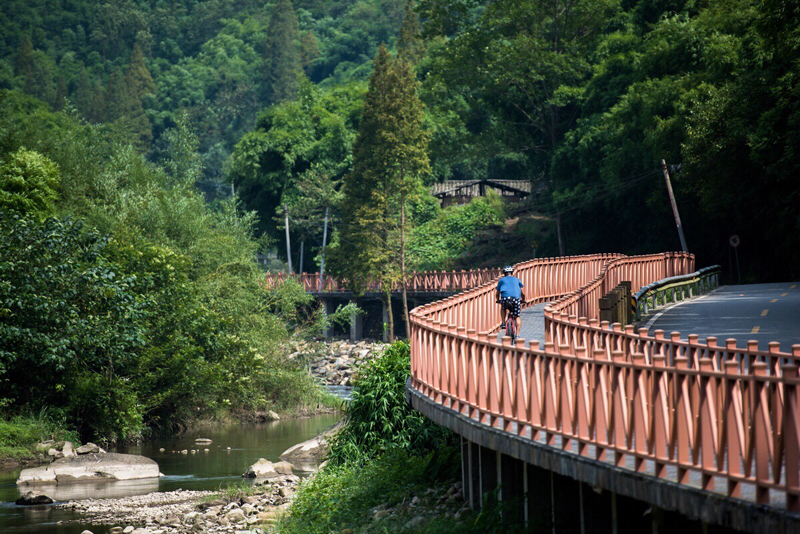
(512, 304)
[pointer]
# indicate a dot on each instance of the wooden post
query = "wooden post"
(300, 267)
(322, 261)
(288, 242)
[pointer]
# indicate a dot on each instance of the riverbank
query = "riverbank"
(21, 439)
(181, 511)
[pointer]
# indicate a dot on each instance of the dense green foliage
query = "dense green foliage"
(385, 455)
(378, 419)
(222, 61)
(137, 305)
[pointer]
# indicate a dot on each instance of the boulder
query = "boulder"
(203, 440)
(309, 454)
(89, 448)
(91, 467)
(55, 454)
(236, 516)
(283, 468)
(263, 468)
(67, 449)
(33, 497)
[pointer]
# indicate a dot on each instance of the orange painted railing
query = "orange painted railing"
(677, 408)
(433, 281)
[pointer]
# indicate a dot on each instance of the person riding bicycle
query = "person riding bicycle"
(509, 295)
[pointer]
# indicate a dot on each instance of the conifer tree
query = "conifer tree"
(409, 42)
(138, 78)
(389, 159)
(23, 62)
(308, 50)
(61, 93)
(97, 111)
(282, 53)
(82, 93)
(122, 102)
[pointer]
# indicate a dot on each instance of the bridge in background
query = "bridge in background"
(605, 428)
(422, 287)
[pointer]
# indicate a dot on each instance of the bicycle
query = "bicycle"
(511, 327)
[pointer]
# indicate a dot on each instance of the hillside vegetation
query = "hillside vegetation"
(150, 150)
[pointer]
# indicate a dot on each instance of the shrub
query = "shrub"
(378, 417)
(28, 183)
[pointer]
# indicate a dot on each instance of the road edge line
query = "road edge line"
(657, 316)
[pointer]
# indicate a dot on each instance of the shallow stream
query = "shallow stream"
(204, 470)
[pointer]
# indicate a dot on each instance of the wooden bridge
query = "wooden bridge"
(604, 428)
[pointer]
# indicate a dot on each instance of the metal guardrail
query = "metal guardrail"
(675, 289)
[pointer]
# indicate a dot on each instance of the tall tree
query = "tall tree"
(282, 53)
(389, 158)
(122, 103)
(309, 51)
(138, 78)
(23, 62)
(409, 43)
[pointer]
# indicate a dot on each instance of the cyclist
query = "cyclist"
(509, 295)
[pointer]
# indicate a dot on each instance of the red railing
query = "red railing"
(433, 281)
(676, 408)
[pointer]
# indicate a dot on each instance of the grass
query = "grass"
(379, 497)
(20, 434)
(236, 491)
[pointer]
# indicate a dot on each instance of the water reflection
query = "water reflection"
(233, 448)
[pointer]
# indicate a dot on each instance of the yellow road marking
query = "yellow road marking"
(774, 300)
(764, 313)
(792, 286)
(755, 330)
(784, 294)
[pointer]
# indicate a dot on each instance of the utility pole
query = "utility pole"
(324, 241)
(302, 246)
(288, 242)
(674, 206)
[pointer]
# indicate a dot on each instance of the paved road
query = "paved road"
(761, 312)
(532, 321)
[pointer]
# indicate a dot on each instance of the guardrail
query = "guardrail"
(675, 289)
(675, 407)
(425, 281)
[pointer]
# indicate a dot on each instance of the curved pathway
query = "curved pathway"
(759, 312)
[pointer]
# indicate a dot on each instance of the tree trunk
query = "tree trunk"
(403, 263)
(390, 314)
(561, 250)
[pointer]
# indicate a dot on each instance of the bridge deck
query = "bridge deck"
(532, 324)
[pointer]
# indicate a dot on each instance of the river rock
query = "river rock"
(283, 468)
(263, 468)
(91, 467)
(309, 454)
(67, 450)
(236, 516)
(55, 454)
(45, 445)
(33, 497)
(89, 448)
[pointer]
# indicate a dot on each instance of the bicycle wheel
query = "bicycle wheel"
(511, 329)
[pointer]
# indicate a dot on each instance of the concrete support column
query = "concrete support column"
(488, 470)
(356, 326)
(512, 485)
(328, 307)
(385, 320)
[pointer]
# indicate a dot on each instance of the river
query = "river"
(205, 470)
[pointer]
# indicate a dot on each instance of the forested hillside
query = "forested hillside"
(129, 295)
(221, 61)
